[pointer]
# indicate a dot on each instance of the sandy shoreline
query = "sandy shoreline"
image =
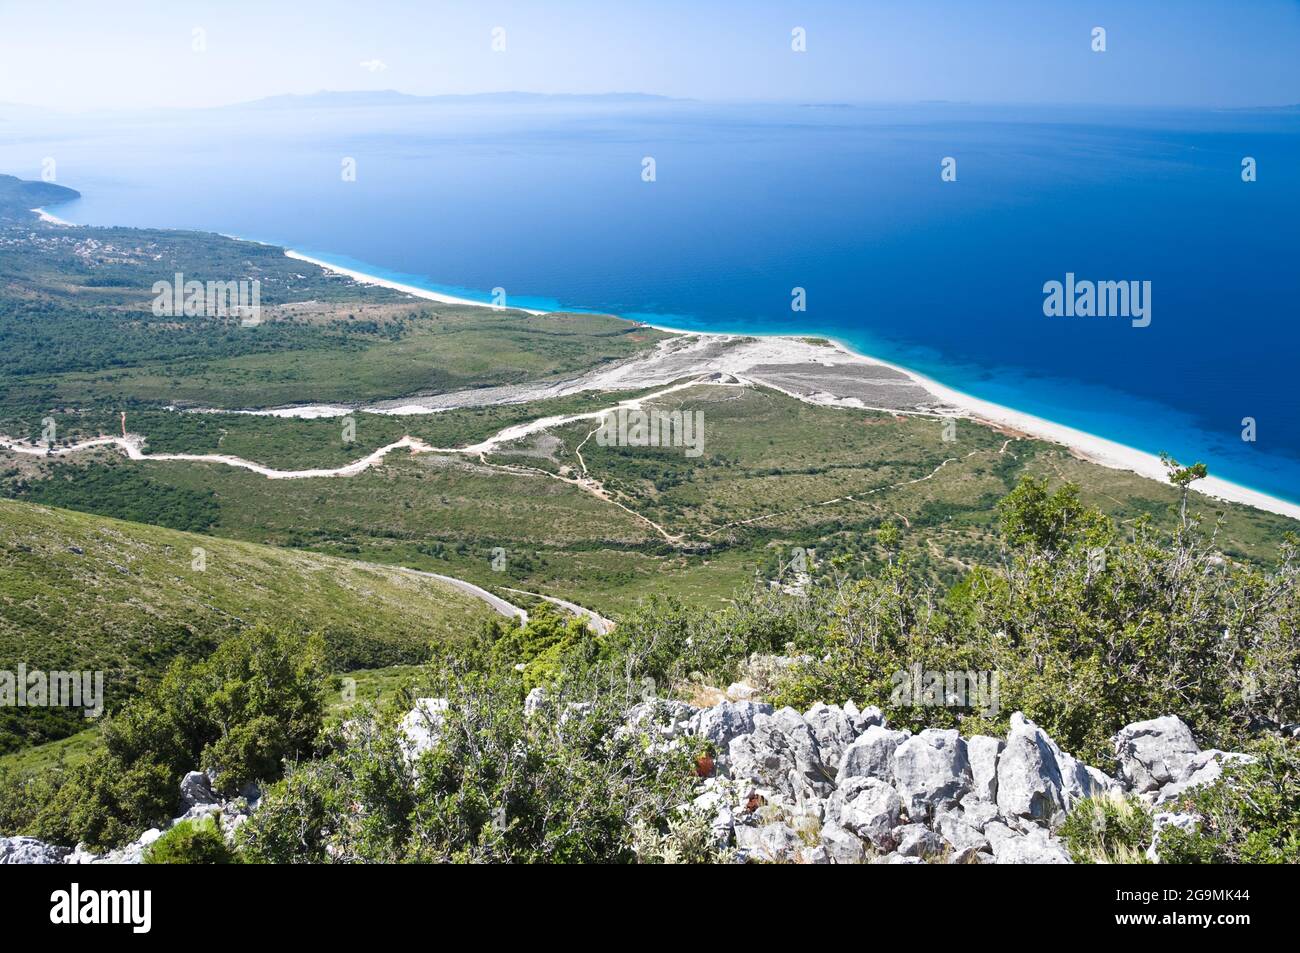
(52, 220)
(1091, 447)
(362, 278)
(789, 349)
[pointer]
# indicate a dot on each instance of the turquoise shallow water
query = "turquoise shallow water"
(752, 201)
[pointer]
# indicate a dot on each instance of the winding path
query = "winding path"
(133, 444)
(598, 622)
(508, 609)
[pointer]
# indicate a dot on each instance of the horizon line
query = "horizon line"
(400, 95)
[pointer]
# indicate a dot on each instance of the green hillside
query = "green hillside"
(18, 198)
(84, 593)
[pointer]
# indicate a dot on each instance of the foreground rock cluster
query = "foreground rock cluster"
(838, 785)
(831, 785)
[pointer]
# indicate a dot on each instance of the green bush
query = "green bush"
(1108, 829)
(563, 786)
(191, 842)
(540, 645)
(258, 701)
(1251, 815)
(1088, 628)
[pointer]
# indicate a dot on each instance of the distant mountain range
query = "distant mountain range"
(391, 97)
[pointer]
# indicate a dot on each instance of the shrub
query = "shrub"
(560, 786)
(689, 839)
(1251, 815)
(258, 701)
(191, 842)
(1108, 829)
(1087, 631)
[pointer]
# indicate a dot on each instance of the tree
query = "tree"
(1183, 478)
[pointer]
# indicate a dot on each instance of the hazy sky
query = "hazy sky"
(93, 54)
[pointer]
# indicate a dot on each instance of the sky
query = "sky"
(77, 55)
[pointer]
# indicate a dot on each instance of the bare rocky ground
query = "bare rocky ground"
(836, 785)
(819, 372)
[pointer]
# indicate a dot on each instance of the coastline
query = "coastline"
(52, 220)
(362, 278)
(1096, 449)
(1091, 447)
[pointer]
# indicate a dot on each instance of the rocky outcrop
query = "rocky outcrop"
(872, 755)
(868, 807)
(1154, 753)
(1205, 767)
(805, 788)
(421, 727)
(932, 771)
(196, 799)
(721, 723)
(1028, 775)
(836, 728)
(29, 850)
(983, 752)
(781, 754)
(196, 789)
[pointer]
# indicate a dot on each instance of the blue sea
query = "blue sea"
(751, 201)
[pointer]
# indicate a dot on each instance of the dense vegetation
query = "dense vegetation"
(191, 842)
(258, 700)
(1088, 627)
(1250, 815)
(18, 198)
(499, 787)
(117, 492)
(1083, 645)
(78, 330)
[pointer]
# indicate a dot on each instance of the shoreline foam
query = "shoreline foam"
(1096, 449)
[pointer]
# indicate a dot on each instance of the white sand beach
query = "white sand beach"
(816, 368)
(50, 219)
(362, 278)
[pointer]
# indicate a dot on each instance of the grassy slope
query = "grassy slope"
(82, 592)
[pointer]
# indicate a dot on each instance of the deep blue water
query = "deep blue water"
(751, 201)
